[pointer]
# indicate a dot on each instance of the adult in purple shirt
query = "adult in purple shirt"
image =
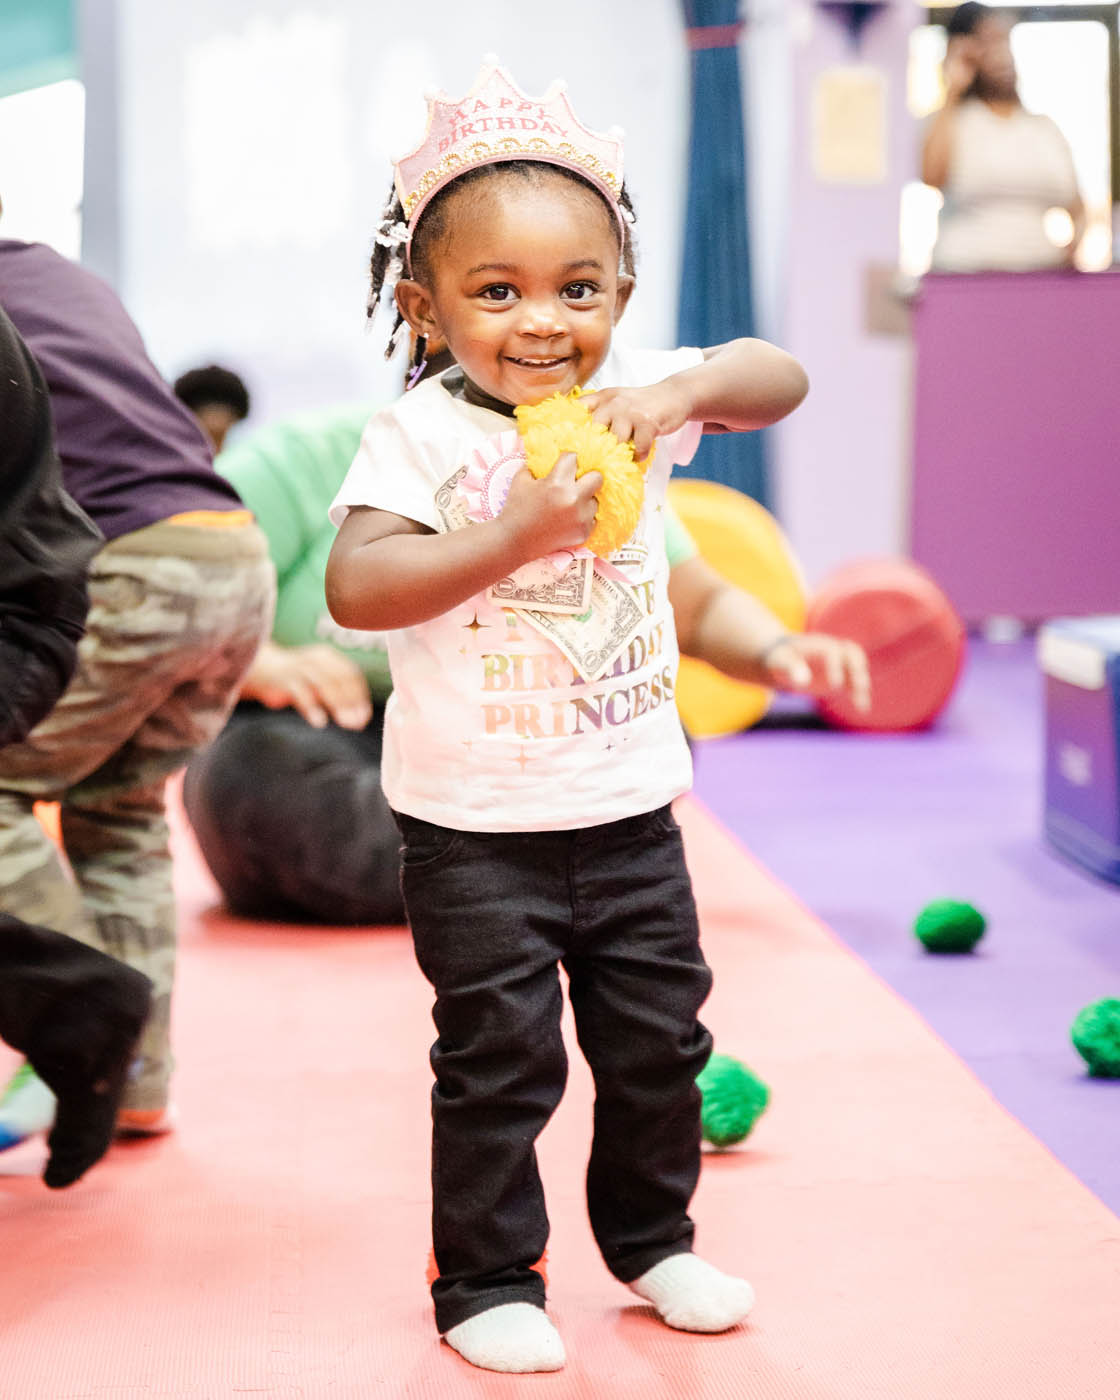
(131, 453)
(75, 1013)
(181, 595)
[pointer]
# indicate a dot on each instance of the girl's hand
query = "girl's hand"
(814, 664)
(556, 512)
(641, 415)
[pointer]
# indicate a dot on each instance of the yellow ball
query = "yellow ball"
(562, 424)
(742, 541)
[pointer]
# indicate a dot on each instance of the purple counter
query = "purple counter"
(1015, 507)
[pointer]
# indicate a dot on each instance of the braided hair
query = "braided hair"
(387, 262)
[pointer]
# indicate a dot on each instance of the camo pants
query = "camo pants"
(177, 613)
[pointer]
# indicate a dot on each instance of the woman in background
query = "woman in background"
(1000, 167)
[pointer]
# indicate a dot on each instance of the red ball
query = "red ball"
(914, 640)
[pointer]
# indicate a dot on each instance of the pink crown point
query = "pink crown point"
(496, 121)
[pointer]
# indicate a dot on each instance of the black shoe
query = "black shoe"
(87, 1067)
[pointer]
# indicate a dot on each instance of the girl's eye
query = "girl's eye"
(580, 291)
(499, 292)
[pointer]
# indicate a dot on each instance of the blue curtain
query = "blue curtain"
(716, 303)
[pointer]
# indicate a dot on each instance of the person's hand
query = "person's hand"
(317, 680)
(552, 513)
(813, 663)
(641, 415)
(959, 70)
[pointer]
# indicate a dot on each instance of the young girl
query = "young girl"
(533, 790)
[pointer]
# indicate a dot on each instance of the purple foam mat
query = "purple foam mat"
(866, 829)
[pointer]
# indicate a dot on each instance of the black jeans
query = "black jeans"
(492, 916)
(292, 820)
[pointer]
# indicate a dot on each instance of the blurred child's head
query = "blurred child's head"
(217, 397)
(521, 269)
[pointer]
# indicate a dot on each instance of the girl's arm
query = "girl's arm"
(736, 633)
(742, 385)
(387, 571)
(721, 624)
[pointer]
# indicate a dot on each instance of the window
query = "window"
(41, 134)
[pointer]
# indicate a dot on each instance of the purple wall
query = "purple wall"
(841, 483)
(1016, 491)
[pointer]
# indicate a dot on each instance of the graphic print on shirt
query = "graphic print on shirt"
(531, 690)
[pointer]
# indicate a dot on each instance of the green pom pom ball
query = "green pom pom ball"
(1096, 1033)
(949, 926)
(734, 1100)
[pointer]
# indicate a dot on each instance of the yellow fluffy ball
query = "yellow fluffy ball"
(562, 424)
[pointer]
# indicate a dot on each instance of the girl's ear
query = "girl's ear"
(622, 298)
(415, 305)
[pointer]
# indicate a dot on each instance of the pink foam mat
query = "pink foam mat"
(906, 1236)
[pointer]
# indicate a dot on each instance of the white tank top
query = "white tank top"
(1005, 173)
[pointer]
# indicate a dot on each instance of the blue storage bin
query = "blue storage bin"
(1080, 659)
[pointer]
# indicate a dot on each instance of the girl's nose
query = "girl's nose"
(542, 319)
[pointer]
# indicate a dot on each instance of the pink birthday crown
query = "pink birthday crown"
(496, 121)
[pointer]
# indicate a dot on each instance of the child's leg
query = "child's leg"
(115, 832)
(487, 916)
(176, 616)
(638, 979)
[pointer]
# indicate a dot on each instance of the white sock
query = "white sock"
(693, 1296)
(26, 1108)
(510, 1337)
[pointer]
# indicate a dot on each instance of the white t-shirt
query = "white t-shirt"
(1005, 173)
(489, 726)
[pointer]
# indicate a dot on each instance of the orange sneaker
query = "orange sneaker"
(146, 1122)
